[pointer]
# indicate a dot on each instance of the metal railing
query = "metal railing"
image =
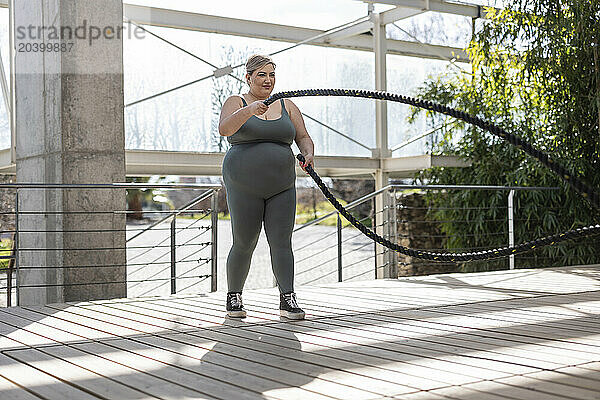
(436, 237)
(314, 257)
(78, 242)
(337, 250)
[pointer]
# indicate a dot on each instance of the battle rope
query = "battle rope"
(574, 181)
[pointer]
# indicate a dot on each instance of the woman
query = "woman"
(259, 175)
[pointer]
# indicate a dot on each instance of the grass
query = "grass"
(306, 214)
(5, 250)
(207, 217)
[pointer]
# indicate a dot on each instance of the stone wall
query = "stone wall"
(417, 232)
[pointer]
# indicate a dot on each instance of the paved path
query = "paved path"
(315, 253)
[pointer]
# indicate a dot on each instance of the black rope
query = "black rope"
(587, 192)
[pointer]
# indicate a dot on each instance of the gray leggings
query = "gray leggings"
(260, 192)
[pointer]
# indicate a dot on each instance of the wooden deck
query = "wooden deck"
(524, 334)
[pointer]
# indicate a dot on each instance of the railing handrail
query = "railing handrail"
(354, 203)
(116, 185)
(431, 187)
(471, 187)
(175, 213)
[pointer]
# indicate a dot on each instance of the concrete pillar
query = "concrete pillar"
(69, 129)
(385, 267)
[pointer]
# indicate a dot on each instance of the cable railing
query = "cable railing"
(69, 242)
(317, 258)
(49, 248)
(345, 252)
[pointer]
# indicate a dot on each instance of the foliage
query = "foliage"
(305, 213)
(137, 199)
(536, 73)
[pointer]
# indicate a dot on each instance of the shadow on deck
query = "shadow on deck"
(522, 334)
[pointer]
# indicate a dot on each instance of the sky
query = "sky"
(185, 119)
(152, 66)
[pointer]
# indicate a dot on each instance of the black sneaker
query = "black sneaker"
(288, 307)
(234, 306)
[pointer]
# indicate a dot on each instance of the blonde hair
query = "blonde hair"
(257, 61)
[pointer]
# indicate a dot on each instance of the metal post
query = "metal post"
(381, 134)
(173, 255)
(214, 220)
(11, 64)
(374, 224)
(16, 244)
(339, 246)
(386, 232)
(511, 230)
(394, 212)
(9, 273)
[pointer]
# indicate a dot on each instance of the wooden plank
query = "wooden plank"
(315, 381)
(574, 323)
(477, 341)
(549, 387)
(446, 343)
(591, 370)
(148, 381)
(510, 391)
(396, 378)
(455, 393)
(542, 346)
(490, 281)
(353, 368)
(540, 364)
(70, 371)
(213, 312)
(116, 314)
(589, 381)
(492, 308)
(9, 390)
(432, 346)
(544, 305)
(415, 349)
(184, 381)
(572, 279)
(414, 295)
(105, 330)
(41, 383)
(364, 325)
(290, 392)
(379, 384)
(199, 372)
(225, 377)
(448, 336)
(389, 352)
(591, 343)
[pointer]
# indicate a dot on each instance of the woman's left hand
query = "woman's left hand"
(308, 160)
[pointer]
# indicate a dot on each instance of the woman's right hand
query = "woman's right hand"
(258, 107)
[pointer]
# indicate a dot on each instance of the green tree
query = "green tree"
(535, 72)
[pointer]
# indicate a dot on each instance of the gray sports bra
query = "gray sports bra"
(256, 130)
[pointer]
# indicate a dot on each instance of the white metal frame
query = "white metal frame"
(366, 34)
(154, 16)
